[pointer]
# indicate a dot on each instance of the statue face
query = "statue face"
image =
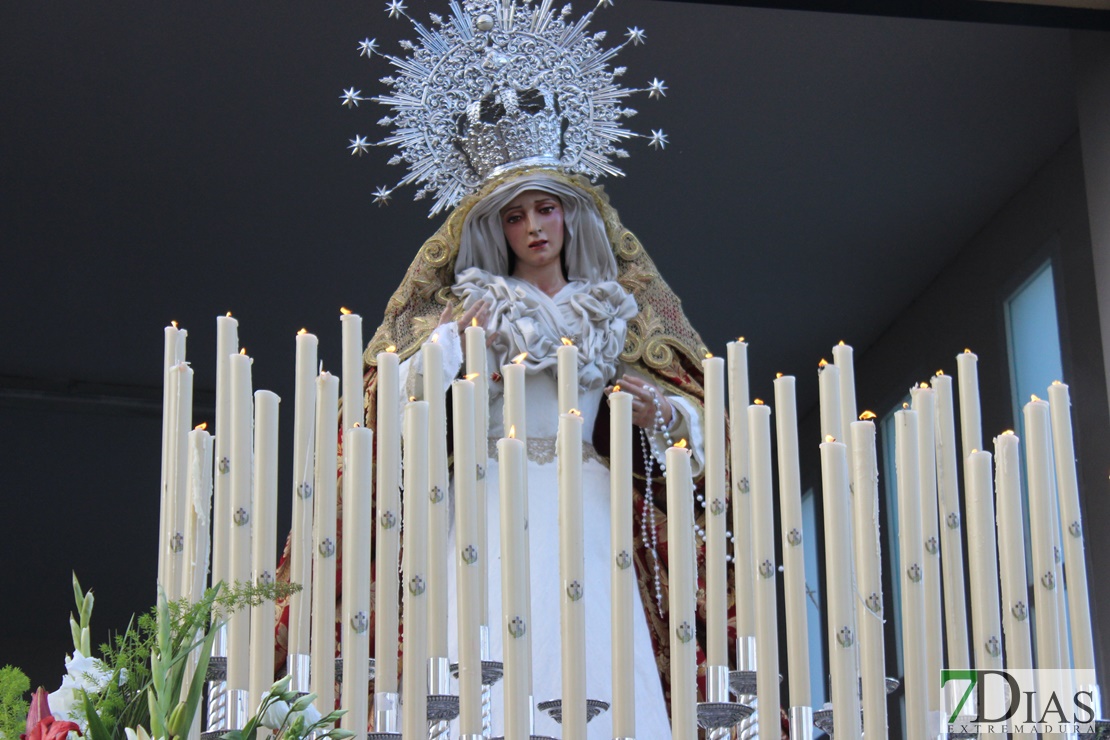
(533, 225)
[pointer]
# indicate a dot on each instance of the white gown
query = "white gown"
(595, 315)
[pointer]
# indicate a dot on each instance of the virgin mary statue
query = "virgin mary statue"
(535, 253)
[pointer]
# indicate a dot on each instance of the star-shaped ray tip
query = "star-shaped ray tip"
(636, 36)
(367, 47)
(351, 97)
(658, 139)
(382, 195)
(657, 89)
(359, 145)
(395, 8)
(604, 3)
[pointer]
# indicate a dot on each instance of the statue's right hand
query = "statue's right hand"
(479, 312)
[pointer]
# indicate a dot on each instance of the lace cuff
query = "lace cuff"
(412, 369)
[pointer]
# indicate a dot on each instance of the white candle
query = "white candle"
(566, 358)
(716, 494)
(239, 543)
(167, 499)
(1011, 552)
(264, 541)
(198, 520)
(354, 409)
(414, 677)
(516, 611)
(951, 537)
(357, 524)
(438, 512)
(388, 525)
(322, 672)
(986, 623)
(924, 403)
(869, 582)
(468, 556)
(515, 409)
(971, 427)
(476, 365)
(683, 584)
(793, 534)
(1046, 572)
(1079, 606)
(227, 344)
(300, 546)
(828, 386)
(738, 395)
(763, 563)
(842, 614)
(912, 553)
(181, 413)
(844, 360)
(622, 578)
(572, 575)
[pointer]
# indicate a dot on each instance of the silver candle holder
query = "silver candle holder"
(717, 712)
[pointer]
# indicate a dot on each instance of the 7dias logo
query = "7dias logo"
(1020, 700)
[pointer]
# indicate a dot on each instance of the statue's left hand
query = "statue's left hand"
(643, 404)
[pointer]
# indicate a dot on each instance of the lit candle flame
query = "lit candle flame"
(740, 339)
(830, 438)
(201, 427)
(617, 388)
(344, 311)
(519, 358)
(924, 385)
(567, 342)
(778, 375)
(302, 331)
(867, 416)
(243, 351)
(1057, 382)
(471, 376)
(905, 405)
(758, 402)
(1034, 397)
(173, 324)
(940, 373)
(357, 425)
(412, 398)
(1008, 431)
(229, 314)
(435, 339)
(967, 351)
(709, 355)
(681, 444)
(474, 321)
(574, 412)
(512, 432)
(391, 348)
(823, 362)
(840, 343)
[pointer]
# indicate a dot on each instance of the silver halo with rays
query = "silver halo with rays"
(501, 84)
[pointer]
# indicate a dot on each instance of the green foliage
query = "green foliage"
(293, 725)
(14, 686)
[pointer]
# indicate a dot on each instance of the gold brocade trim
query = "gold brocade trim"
(542, 451)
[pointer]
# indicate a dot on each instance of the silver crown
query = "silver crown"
(497, 85)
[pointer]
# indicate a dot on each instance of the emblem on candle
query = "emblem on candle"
(416, 585)
(265, 578)
(994, 647)
(767, 569)
(435, 495)
(389, 520)
(684, 632)
(717, 507)
(1019, 611)
(914, 572)
(845, 637)
(517, 628)
(1056, 554)
(624, 560)
(794, 537)
(327, 548)
(1048, 580)
(360, 622)
(177, 542)
(931, 546)
(470, 555)
(874, 602)
(574, 590)
(241, 517)
(953, 520)
(225, 465)
(742, 485)
(304, 490)
(1075, 530)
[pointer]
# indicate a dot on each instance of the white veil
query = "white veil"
(586, 249)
